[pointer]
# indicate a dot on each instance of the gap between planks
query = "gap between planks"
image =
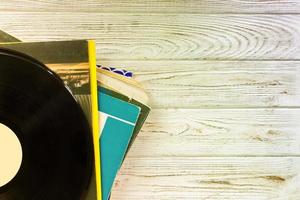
(177, 37)
(154, 6)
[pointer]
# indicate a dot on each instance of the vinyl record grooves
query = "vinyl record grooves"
(55, 136)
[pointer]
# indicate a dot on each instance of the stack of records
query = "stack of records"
(74, 121)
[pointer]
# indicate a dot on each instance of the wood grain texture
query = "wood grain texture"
(176, 37)
(212, 84)
(223, 79)
(219, 132)
(154, 6)
(209, 179)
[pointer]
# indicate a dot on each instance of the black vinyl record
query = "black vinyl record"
(55, 136)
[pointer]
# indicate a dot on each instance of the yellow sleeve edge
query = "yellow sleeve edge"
(95, 122)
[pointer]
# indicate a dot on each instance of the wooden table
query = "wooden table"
(224, 81)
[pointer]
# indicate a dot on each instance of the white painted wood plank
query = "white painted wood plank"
(154, 6)
(202, 84)
(228, 178)
(219, 132)
(165, 36)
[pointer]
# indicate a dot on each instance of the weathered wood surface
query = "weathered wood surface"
(154, 6)
(230, 178)
(223, 79)
(166, 36)
(219, 132)
(222, 84)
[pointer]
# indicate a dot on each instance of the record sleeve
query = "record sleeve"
(118, 119)
(126, 89)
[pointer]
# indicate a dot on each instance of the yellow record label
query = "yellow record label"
(10, 155)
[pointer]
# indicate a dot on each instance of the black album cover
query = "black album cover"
(70, 62)
(54, 135)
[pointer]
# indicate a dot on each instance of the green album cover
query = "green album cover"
(5, 37)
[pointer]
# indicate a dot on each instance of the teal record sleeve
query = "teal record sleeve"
(118, 119)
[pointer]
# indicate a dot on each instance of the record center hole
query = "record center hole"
(10, 155)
